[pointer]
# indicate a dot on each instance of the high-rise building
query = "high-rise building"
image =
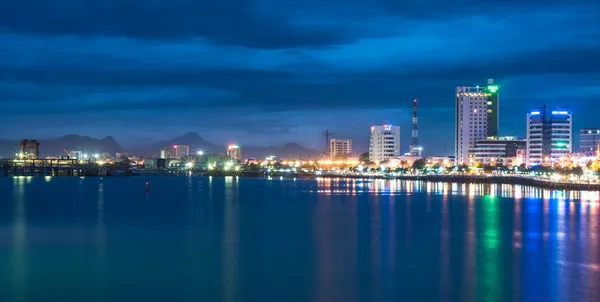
(340, 147)
(494, 148)
(476, 117)
(175, 152)
(589, 139)
(234, 152)
(548, 135)
(385, 142)
(415, 149)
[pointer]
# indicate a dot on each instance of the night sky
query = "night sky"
(275, 71)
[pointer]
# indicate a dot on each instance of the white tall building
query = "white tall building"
(549, 135)
(385, 142)
(340, 147)
(476, 117)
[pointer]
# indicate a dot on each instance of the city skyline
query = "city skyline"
(294, 71)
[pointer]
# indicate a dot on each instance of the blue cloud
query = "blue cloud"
(240, 66)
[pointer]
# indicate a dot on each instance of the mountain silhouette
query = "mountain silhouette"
(196, 142)
(56, 147)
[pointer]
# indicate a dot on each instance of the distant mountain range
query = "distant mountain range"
(196, 142)
(56, 147)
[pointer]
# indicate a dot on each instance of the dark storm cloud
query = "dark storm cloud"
(270, 90)
(224, 21)
(253, 23)
(287, 66)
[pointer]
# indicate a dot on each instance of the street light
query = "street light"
(200, 152)
(189, 165)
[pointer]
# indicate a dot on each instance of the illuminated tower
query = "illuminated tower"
(415, 149)
(476, 117)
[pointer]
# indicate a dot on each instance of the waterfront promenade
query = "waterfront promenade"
(499, 179)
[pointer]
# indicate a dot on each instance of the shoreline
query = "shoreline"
(468, 179)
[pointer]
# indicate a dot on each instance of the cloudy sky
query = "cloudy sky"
(266, 72)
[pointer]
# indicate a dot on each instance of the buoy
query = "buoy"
(147, 187)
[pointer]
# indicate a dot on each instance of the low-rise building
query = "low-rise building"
(154, 163)
(495, 148)
(340, 147)
(442, 160)
(234, 153)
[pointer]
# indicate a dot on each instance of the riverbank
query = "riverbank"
(511, 180)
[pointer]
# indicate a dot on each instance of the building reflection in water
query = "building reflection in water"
(336, 242)
(341, 186)
(100, 250)
(470, 263)
(502, 242)
(19, 234)
(445, 280)
(231, 241)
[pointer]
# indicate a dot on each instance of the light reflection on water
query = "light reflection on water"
(236, 239)
(394, 187)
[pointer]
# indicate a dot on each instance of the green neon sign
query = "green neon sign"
(492, 88)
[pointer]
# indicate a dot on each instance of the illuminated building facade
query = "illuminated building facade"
(549, 135)
(234, 153)
(476, 117)
(175, 152)
(340, 147)
(589, 138)
(384, 143)
(495, 148)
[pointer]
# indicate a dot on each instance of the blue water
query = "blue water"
(228, 239)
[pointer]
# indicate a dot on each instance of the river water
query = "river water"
(244, 239)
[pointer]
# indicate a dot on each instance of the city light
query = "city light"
(200, 152)
(492, 88)
(96, 155)
(189, 165)
(561, 144)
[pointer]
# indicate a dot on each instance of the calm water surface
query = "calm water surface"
(228, 239)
